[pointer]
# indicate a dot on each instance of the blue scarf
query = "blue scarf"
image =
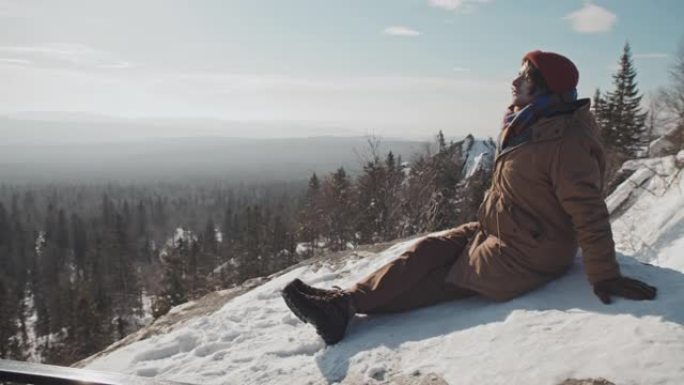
(516, 122)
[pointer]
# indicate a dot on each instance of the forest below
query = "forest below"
(85, 264)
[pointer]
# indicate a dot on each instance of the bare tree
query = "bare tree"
(671, 100)
(673, 96)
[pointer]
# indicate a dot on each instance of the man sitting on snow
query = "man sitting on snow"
(545, 200)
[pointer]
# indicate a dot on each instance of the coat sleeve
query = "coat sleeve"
(577, 179)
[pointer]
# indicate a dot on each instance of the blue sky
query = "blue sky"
(391, 68)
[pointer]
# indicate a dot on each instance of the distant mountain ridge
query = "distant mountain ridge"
(46, 127)
(77, 147)
(169, 159)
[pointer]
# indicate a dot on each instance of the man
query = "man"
(545, 200)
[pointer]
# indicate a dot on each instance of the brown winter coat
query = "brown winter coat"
(544, 202)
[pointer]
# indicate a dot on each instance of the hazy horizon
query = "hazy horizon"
(194, 159)
(57, 127)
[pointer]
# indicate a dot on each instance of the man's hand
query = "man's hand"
(623, 287)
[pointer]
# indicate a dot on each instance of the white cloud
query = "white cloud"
(63, 55)
(651, 55)
(398, 30)
(14, 61)
(117, 65)
(453, 5)
(591, 19)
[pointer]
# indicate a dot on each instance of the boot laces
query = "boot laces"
(334, 294)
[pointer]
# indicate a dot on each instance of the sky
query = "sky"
(394, 68)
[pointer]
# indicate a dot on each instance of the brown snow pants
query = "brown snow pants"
(416, 278)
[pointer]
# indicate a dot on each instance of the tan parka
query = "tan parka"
(545, 200)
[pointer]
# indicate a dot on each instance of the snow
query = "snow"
(652, 227)
(557, 332)
(303, 248)
(478, 154)
(631, 185)
(478, 163)
(31, 316)
(180, 237)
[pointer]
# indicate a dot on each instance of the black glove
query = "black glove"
(623, 287)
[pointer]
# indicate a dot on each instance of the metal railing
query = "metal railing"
(40, 374)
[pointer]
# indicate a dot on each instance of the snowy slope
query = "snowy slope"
(560, 331)
(651, 227)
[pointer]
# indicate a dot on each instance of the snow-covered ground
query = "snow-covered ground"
(559, 331)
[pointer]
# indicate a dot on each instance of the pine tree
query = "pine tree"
(229, 230)
(8, 314)
(310, 215)
(599, 108)
(249, 253)
(209, 241)
(279, 253)
(85, 334)
(394, 177)
(9, 304)
(370, 203)
(446, 176)
(338, 218)
(53, 280)
(175, 281)
(624, 129)
(79, 243)
(142, 234)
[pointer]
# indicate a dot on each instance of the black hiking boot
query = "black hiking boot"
(315, 291)
(298, 285)
(329, 313)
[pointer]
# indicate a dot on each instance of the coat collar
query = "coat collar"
(553, 126)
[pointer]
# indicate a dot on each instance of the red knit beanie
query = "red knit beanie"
(559, 73)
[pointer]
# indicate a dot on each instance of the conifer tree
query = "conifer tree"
(624, 129)
(370, 203)
(310, 217)
(338, 218)
(174, 283)
(598, 107)
(209, 242)
(8, 297)
(394, 177)
(8, 326)
(79, 243)
(446, 176)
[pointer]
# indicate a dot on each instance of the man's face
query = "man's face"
(522, 87)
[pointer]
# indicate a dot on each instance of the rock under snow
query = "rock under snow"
(667, 144)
